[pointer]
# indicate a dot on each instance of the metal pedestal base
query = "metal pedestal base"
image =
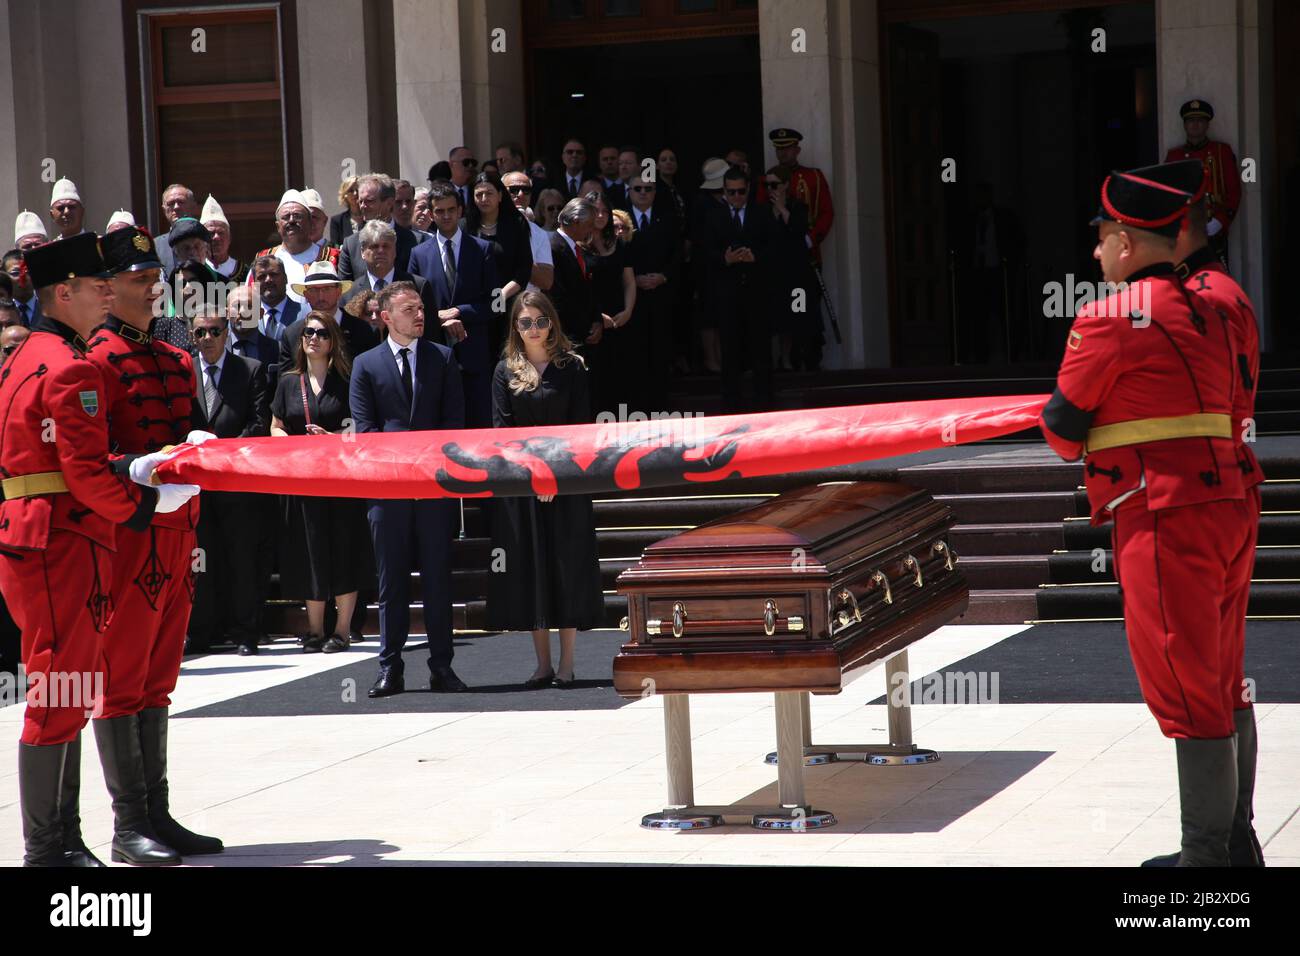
(899, 752)
(793, 814)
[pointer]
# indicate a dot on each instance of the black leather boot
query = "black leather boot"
(1207, 794)
(153, 744)
(134, 841)
(1243, 844)
(40, 773)
(75, 851)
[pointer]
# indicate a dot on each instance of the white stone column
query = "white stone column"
(332, 92)
(10, 145)
(825, 82)
(1210, 50)
(429, 93)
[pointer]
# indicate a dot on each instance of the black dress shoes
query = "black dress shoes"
(444, 679)
(247, 650)
(390, 682)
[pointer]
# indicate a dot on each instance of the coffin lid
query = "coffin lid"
(808, 517)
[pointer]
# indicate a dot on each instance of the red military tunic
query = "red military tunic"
(1222, 177)
(56, 560)
(150, 386)
(1180, 519)
(1203, 274)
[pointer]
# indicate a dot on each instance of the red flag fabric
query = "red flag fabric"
(592, 459)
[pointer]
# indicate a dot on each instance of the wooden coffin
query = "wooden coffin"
(791, 594)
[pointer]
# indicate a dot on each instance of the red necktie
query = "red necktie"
(582, 263)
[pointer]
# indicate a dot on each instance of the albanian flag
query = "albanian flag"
(592, 459)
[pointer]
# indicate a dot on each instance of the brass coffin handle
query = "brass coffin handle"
(623, 624)
(845, 619)
(879, 578)
(914, 565)
(941, 547)
(770, 612)
(679, 618)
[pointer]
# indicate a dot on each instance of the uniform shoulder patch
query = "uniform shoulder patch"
(89, 402)
(1075, 340)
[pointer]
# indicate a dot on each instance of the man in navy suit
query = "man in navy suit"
(408, 383)
(246, 338)
(462, 272)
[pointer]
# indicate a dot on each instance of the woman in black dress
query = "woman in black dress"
(550, 573)
(494, 218)
(789, 267)
(325, 549)
(613, 285)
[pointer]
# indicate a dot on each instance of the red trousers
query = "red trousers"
(1239, 595)
(61, 601)
(1180, 572)
(153, 588)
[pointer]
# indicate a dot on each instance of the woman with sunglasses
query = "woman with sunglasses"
(325, 548)
(493, 217)
(547, 211)
(789, 268)
(549, 573)
(613, 285)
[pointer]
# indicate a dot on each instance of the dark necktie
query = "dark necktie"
(379, 284)
(642, 224)
(271, 321)
(735, 219)
(449, 266)
(573, 186)
(209, 388)
(407, 386)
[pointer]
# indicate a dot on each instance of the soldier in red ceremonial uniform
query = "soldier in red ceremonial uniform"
(1146, 394)
(63, 501)
(1201, 272)
(149, 385)
(1222, 174)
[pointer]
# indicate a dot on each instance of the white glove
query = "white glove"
(143, 467)
(1213, 227)
(173, 497)
(197, 437)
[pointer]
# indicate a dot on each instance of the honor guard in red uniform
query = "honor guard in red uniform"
(1145, 394)
(1222, 174)
(1201, 272)
(64, 499)
(149, 385)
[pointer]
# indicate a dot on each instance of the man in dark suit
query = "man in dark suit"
(735, 238)
(379, 256)
(462, 274)
(230, 402)
(279, 310)
(246, 339)
(377, 195)
(323, 289)
(574, 160)
(655, 255)
(408, 384)
(570, 289)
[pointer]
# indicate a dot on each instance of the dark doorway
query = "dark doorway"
(1033, 120)
(701, 97)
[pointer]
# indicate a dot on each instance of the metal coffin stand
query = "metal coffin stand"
(875, 574)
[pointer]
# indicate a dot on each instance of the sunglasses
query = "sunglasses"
(542, 322)
(314, 333)
(643, 189)
(203, 332)
(516, 190)
(737, 192)
(575, 152)
(471, 162)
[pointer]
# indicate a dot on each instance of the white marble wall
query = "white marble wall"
(332, 91)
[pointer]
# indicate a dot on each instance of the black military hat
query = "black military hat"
(188, 228)
(1139, 198)
(785, 137)
(1197, 108)
(130, 249)
(1189, 175)
(77, 257)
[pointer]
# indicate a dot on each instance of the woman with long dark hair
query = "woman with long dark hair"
(494, 218)
(549, 571)
(613, 286)
(325, 548)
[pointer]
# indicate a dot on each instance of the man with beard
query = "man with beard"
(296, 249)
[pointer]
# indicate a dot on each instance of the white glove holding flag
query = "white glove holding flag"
(198, 437)
(170, 497)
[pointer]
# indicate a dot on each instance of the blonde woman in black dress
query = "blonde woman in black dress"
(546, 573)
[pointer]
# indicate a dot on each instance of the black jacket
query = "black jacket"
(243, 409)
